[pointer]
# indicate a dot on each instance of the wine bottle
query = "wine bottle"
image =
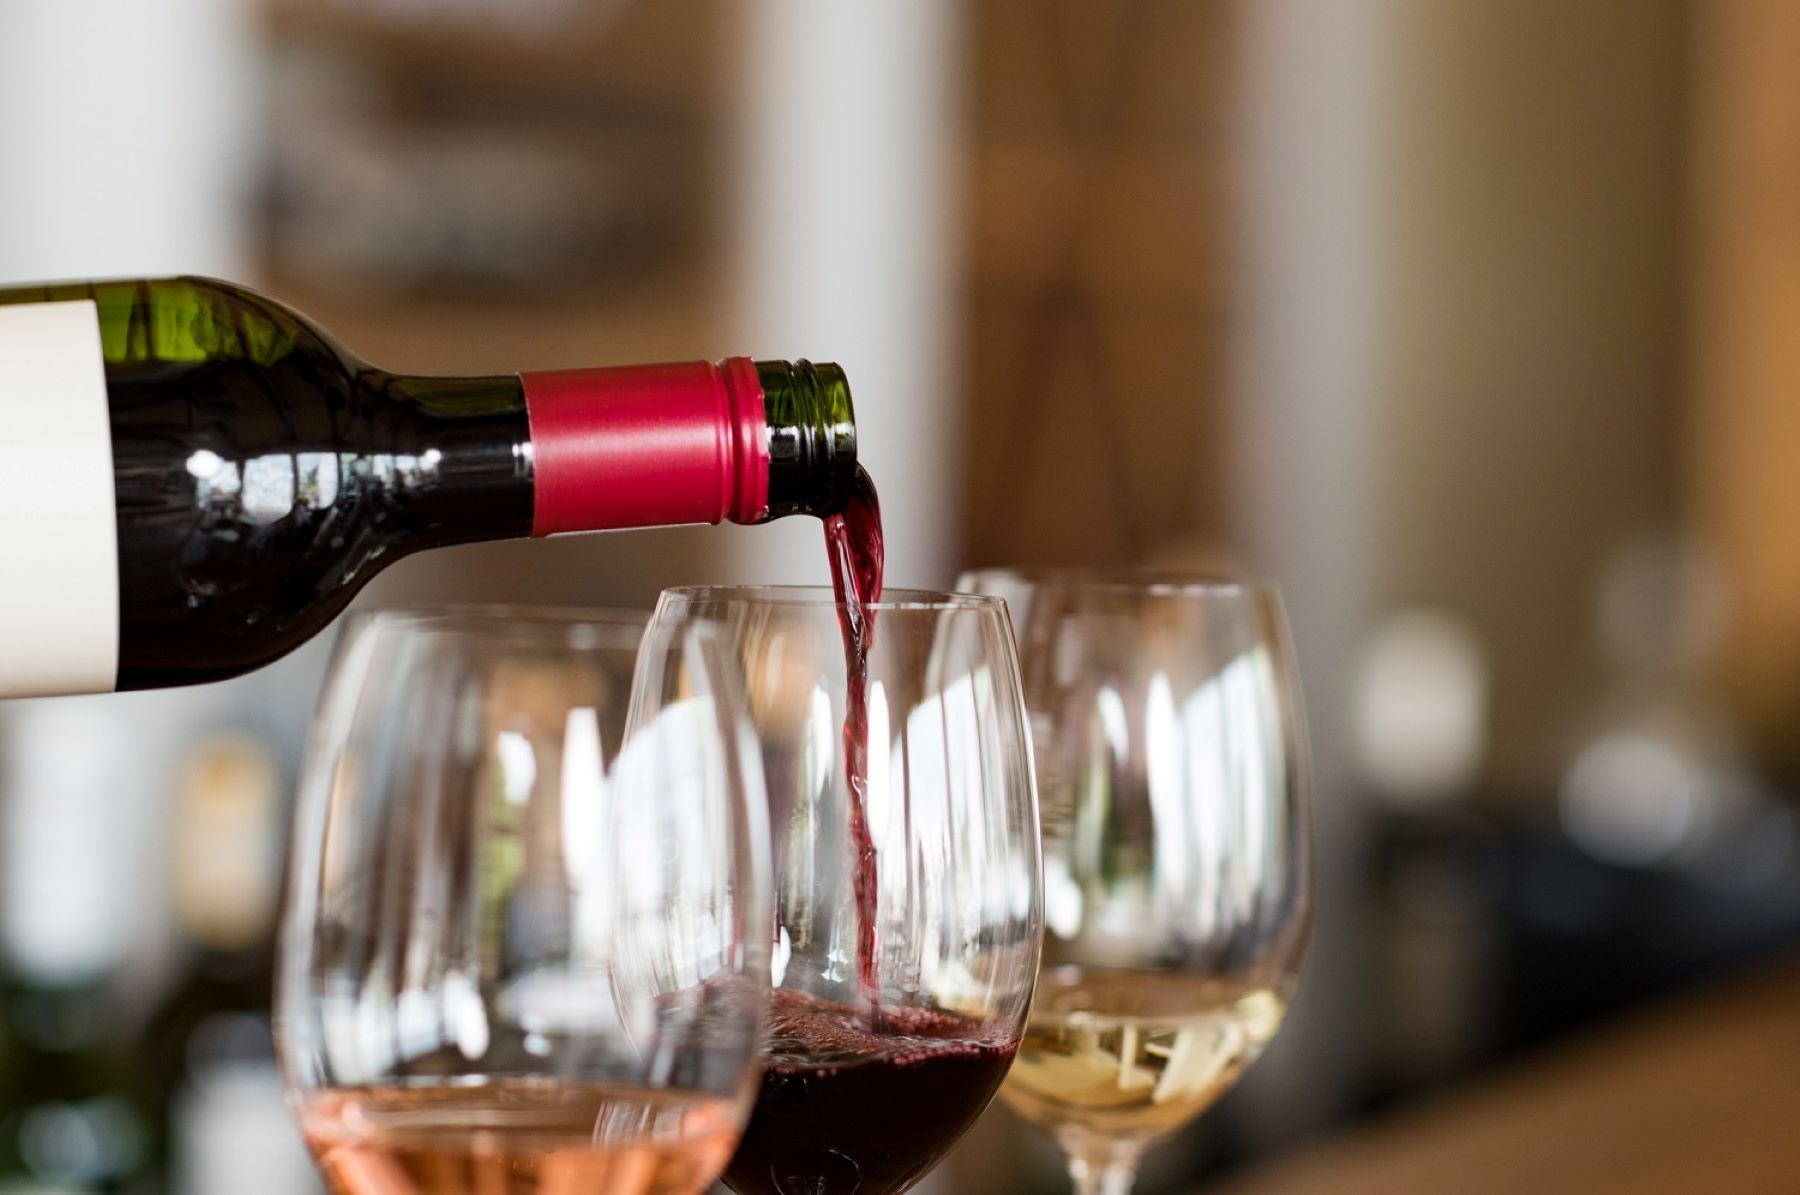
(194, 478)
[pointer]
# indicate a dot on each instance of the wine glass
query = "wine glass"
(907, 877)
(523, 950)
(1171, 767)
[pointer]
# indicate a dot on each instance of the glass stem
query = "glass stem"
(1103, 1174)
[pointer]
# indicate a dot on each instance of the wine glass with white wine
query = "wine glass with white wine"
(1171, 769)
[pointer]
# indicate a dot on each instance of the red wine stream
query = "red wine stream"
(854, 545)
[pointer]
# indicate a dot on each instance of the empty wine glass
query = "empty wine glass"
(524, 945)
(905, 941)
(1171, 766)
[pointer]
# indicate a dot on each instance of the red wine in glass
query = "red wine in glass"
(849, 1107)
(854, 546)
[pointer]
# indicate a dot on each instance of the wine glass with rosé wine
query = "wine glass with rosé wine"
(525, 950)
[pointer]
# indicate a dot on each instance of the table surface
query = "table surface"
(1700, 1095)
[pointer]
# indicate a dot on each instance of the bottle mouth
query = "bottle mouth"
(811, 437)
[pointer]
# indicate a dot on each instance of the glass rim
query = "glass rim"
(611, 627)
(822, 597)
(1153, 582)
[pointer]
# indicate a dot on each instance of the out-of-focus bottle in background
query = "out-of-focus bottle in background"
(229, 1129)
(77, 1104)
(140, 846)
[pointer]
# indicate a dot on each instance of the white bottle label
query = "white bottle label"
(59, 552)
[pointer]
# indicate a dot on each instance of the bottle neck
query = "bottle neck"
(694, 442)
(810, 428)
(458, 459)
(476, 458)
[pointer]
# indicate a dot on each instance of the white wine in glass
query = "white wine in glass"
(1123, 1054)
(1171, 769)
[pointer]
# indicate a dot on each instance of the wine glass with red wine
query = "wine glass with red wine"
(907, 911)
(1171, 763)
(524, 946)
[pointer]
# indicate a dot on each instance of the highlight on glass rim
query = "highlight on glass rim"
(1177, 597)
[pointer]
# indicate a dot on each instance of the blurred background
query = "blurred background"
(1470, 324)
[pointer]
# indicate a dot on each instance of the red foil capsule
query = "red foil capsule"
(647, 446)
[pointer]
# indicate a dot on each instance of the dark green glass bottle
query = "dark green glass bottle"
(194, 478)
